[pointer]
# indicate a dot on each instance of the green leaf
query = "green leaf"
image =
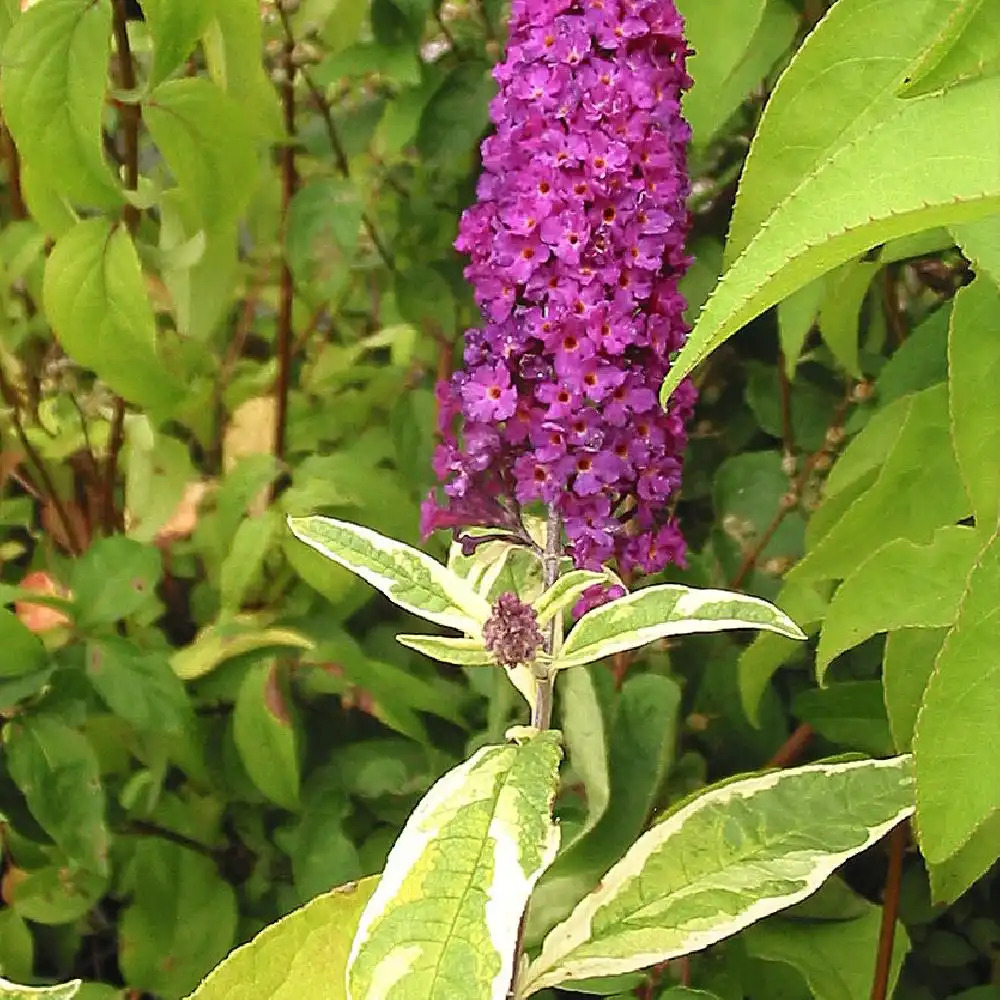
(209, 145)
(669, 609)
(796, 317)
(955, 875)
(447, 649)
(900, 585)
(17, 945)
(850, 713)
(835, 957)
(65, 991)
(175, 29)
(456, 116)
(58, 772)
(640, 752)
(245, 558)
(565, 592)
(444, 918)
(321, 234)
(180, 922)
(96, 300)
(302, 955)
(907, 663)
(717, 55)
(138, 687)
(980, 242)
(858, 195)
(973, 371)
(54, 79)
(839, 313)
(114, 579)
(23, 651)
(265, 735)
(733, 855)
(405, 575)
(919, 483)
(956, 741)
(57, 894)
(223, 640)
(967, 48)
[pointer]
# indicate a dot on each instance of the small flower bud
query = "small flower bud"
(511, 633)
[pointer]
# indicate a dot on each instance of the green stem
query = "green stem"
(541, 716)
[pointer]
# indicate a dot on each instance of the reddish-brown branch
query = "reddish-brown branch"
(18, 210)
(12, 399)
(286, 291)
(791, 751)
(898, 840)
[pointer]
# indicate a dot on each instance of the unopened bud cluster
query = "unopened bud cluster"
(511, 633)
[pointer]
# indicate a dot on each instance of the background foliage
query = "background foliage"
(227, 289)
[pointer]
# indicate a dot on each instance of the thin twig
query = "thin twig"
(18, 210)
(898, 839)
(130, 113)
(12, 399)
(340, 158)
(289, 182)
(794, 747)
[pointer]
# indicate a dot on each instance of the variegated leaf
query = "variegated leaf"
(65, 991)
(443, 921)
(670, 609)
(465, 652)
(407, 576)
(735, 854)
(566, 591)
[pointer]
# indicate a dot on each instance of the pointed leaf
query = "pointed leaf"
(968, 47)
(96, 300)
(175, 29)
(55, 68)
(973, 374)
(224, 640)
(443, 921)
(565, 592)
(956, 741)
(901, 585)
(23, 651)
(407, 576)
(919, 483)
(840, 312)
(860, 194)
(265, 736)
(906, 668)
(447, 649)
(302, 955)
(669, 609)
(65, 991)
(733, 855)
(980, 242)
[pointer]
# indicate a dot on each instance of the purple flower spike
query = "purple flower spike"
(576, 246)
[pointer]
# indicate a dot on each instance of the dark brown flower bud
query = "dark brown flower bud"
(511, 632)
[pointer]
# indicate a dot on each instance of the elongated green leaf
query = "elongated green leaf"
(175, 28)
(408, 577)
(245, 558)
(264, 733)
(919, 483)
(96, 299)
(955, 875)
(302, 955)
(443, 920)
(956, 741)
(973, 373)
(447, 649)
(906, 667)
(565, 592)
(669, 609)
(796, 317)
(209, 145)
(641, 748)
(967, 47)
(57, 770)
(839, 313)
(861, 196)
(65, 991)
(733, 855)
(901, 585)
(54, 79)
(223, 640)
(842, 80)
